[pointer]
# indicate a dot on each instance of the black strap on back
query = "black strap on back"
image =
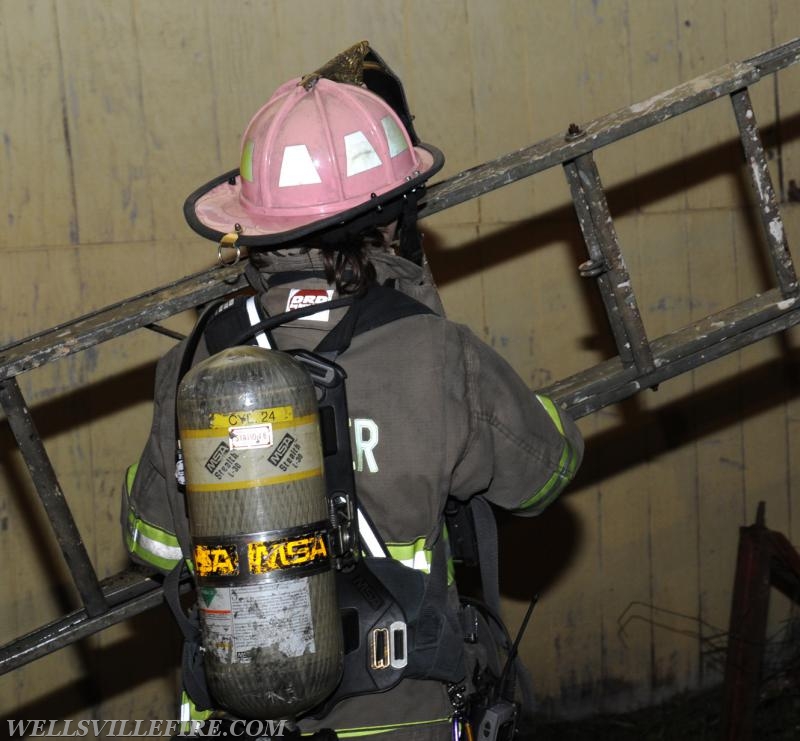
(379, 305)
(480, 548)
(194, 676)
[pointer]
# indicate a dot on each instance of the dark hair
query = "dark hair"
(347, 263)
(345, 258)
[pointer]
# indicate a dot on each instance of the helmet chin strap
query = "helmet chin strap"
(410, 238)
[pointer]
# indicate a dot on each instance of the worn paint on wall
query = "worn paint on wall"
(114, 112)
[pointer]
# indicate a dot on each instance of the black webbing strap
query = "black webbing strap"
(194, 676)
(193, 673)
(378, 306)
(169, 433)
(272, 322)
(489, 564)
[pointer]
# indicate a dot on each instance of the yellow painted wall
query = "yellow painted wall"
(112, 112)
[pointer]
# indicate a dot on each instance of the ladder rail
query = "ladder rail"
(127, 594)
(677, 352)
(118, 319)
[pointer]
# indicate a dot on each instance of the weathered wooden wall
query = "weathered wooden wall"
(112, 112)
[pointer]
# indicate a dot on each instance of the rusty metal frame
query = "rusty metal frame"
(765, 557)
(640, 363)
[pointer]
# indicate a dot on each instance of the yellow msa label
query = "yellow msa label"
(218, 560)
(250, 417)
(264, 556)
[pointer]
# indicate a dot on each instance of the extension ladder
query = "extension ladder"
(639, 364)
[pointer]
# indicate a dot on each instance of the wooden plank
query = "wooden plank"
(719, 442)
(120, 372)
(623, 490)
(553, 93)
(613, 509)
(623, 514)
(246, 66)
(117, 400)
(765, 460)
(712, 180)
(108, 139)
(665, 288)
(791, 352)
(707, 38)
(456, 261)
(441, 32)
(173, 57)
(655, 66)
(37, 184)
(503, 117)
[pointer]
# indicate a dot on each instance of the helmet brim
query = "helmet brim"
(214, 209)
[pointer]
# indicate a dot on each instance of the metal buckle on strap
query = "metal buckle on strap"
(388, 647)
(230, 242)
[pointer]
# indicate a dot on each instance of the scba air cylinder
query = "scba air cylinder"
(258, 518)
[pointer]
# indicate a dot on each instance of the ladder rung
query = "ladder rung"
(601, 236)
(596, 267)
(768, 209)
(52, 497)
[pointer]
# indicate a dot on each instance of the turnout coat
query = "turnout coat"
(435, 413)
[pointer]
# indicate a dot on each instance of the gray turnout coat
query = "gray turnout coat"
(435, 413)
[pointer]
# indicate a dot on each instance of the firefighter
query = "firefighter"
(325, 201)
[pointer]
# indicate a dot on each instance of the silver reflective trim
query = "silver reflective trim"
(168, 552)
(252, 315)
(368, 538)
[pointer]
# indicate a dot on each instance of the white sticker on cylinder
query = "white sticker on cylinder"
(251, 436)
(238, 621)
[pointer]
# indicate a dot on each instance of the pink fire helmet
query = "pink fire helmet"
(316, 156)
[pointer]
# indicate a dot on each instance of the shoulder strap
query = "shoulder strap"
(170, 449)
(379, 305)
(233, 318)
(193, 673)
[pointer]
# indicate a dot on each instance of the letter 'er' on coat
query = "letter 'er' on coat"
(325, 201)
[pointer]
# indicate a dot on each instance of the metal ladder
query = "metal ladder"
(640, 363)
